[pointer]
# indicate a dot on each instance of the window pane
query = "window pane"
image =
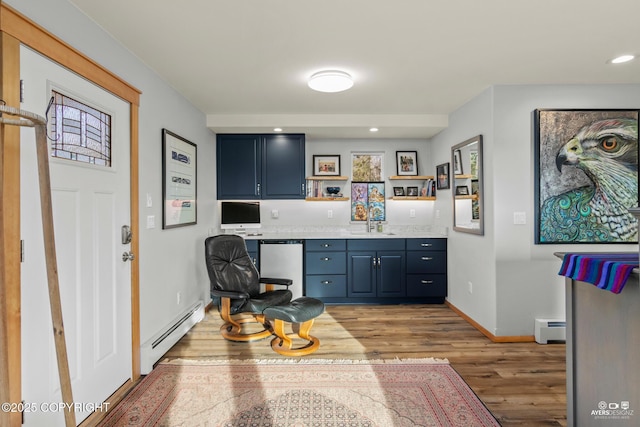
(82, 133)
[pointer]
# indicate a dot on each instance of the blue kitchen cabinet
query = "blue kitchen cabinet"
(254, 167)
(427, 268)
(326, 268)
(376, 268)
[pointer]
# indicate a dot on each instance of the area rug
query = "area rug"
(302, 393)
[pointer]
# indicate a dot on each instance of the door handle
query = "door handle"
(128, 256)
(427, 258)
(426, 245)
(426, 282)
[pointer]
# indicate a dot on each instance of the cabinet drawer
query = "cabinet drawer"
(326, 285)
(427, 285)
(375, 244)
(426, 262)
(326, 263)
(426, 244)
(325, 245)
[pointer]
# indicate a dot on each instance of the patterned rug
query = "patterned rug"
(302, 393)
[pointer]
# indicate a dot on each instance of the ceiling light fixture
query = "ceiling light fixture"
(277, 129)
(622, 59)
(330, 81)
(373, 130)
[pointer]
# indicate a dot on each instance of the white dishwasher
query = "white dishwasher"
(283, 259)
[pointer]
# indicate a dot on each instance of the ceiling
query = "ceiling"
(244, 63)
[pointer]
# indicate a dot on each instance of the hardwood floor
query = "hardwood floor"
(522, 384)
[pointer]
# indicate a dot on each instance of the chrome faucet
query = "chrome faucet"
(370, 225)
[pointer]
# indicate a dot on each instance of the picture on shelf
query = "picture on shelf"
(398, 191)
(326, 165)
(412, 191)
(457, 162)
(407, 162)
(462, 190)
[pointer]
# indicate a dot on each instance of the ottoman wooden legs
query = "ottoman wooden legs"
(300, 313)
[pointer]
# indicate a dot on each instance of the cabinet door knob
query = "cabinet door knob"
(326, 245)
(427, 258)
(326, 282)
(426, 245)
(325, 259)
(427, 282)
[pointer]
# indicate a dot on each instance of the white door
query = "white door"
(90, 205)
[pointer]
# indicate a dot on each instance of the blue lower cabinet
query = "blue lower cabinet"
(425, 285)
(376, 271)
(327, 286)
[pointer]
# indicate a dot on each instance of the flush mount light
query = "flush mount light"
(330, 81)
(622, 59)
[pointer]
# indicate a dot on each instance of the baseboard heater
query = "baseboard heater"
(550, 330)
(156, 346)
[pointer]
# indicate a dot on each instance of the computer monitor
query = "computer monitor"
(240, 216)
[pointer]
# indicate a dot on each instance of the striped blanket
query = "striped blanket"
(608, 271)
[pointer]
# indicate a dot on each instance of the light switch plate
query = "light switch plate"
(151, 221)
(519, 218)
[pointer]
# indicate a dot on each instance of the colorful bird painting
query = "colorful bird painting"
(607, 152)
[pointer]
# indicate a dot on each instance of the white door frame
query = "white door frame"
(16, 29)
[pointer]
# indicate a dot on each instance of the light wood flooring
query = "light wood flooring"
(522, 384)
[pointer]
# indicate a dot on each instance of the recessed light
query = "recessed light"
(622, 59)
(373, 129)
(277, 129)
(330, 81)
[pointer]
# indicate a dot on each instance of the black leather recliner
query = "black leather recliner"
(236, 282)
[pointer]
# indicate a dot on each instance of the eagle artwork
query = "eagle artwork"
(600, 163)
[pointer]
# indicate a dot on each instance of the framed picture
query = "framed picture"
(457, 162)
(398, 191)
(442, 176)
(367, 198)
(326, 165)
(367, 167)
(412, 191)
(179, 181)
(586, 176)
(462, 190)
(407, 163)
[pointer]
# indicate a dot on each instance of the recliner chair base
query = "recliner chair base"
(232, 329)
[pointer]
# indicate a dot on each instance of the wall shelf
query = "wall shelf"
(411, 177)
(317, 185)
(412, 198)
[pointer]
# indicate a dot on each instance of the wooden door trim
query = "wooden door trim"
(16, 29)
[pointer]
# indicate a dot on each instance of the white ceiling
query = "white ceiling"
(244, 63)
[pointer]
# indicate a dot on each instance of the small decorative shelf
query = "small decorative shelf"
(411, 177)
(470, 197)
(412, 198)
(320, 184)
(464, 177)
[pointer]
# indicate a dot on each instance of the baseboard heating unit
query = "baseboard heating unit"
(550, 330)
(156, 346)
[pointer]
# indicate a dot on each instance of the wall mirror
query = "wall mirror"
(466, 161)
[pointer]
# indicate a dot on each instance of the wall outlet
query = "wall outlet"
(330, 213)
(275, 214)
(178, 298)
(412, 213)
(437, 213)
(470, 287)
(149, 200)
(151, 221)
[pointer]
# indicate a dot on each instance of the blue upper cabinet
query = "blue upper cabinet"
(260, 166)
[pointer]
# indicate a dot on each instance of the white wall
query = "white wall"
(171, 261)
(527, 282)
(471, 258)
(514, 280)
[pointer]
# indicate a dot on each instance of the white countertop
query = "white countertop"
(355, 233)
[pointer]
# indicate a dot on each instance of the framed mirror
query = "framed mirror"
(466, 160)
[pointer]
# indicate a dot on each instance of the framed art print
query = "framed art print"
(586, 176)
(407, 163)
(326, 165)
(179, 181)
(442, 176)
